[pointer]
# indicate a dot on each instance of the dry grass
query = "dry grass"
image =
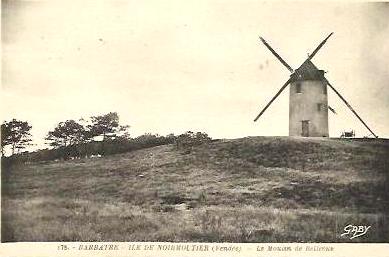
(244, 190)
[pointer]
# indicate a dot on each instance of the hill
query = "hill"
(256, 189)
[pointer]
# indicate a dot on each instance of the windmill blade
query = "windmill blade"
(272, 100)
(351, 108)
(332, 109)
(319, 46)
(276, 55)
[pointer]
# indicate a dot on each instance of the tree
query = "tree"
(71, 138)
(67, 133)
(5, 133)
(15, 133)
(107, 126)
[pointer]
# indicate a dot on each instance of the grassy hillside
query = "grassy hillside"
(260, 189)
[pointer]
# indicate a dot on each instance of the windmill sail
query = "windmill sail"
(319, 46)
(276, 55)
(274, 98)
(351, 108)
(332, 109)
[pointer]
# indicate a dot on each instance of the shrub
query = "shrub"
(190, 139)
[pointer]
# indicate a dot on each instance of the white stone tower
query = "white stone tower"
(308, 102)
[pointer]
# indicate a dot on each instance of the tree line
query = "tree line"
(97, 136)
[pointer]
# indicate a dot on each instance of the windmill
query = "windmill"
(308, 100)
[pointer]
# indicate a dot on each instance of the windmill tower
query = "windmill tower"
(308, 99)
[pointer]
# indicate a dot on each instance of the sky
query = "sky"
(173, 66)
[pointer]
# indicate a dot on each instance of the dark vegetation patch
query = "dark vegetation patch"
(358, 197)
(302, 154)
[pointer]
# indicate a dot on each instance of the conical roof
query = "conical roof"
(307, 71)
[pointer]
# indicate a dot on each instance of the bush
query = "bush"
(190, 139)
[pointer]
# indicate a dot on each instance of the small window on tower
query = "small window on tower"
(319, 107)
(298, 87)
(324, 89)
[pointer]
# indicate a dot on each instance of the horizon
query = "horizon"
(194, 66)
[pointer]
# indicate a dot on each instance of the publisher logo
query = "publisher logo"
(354, 231)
